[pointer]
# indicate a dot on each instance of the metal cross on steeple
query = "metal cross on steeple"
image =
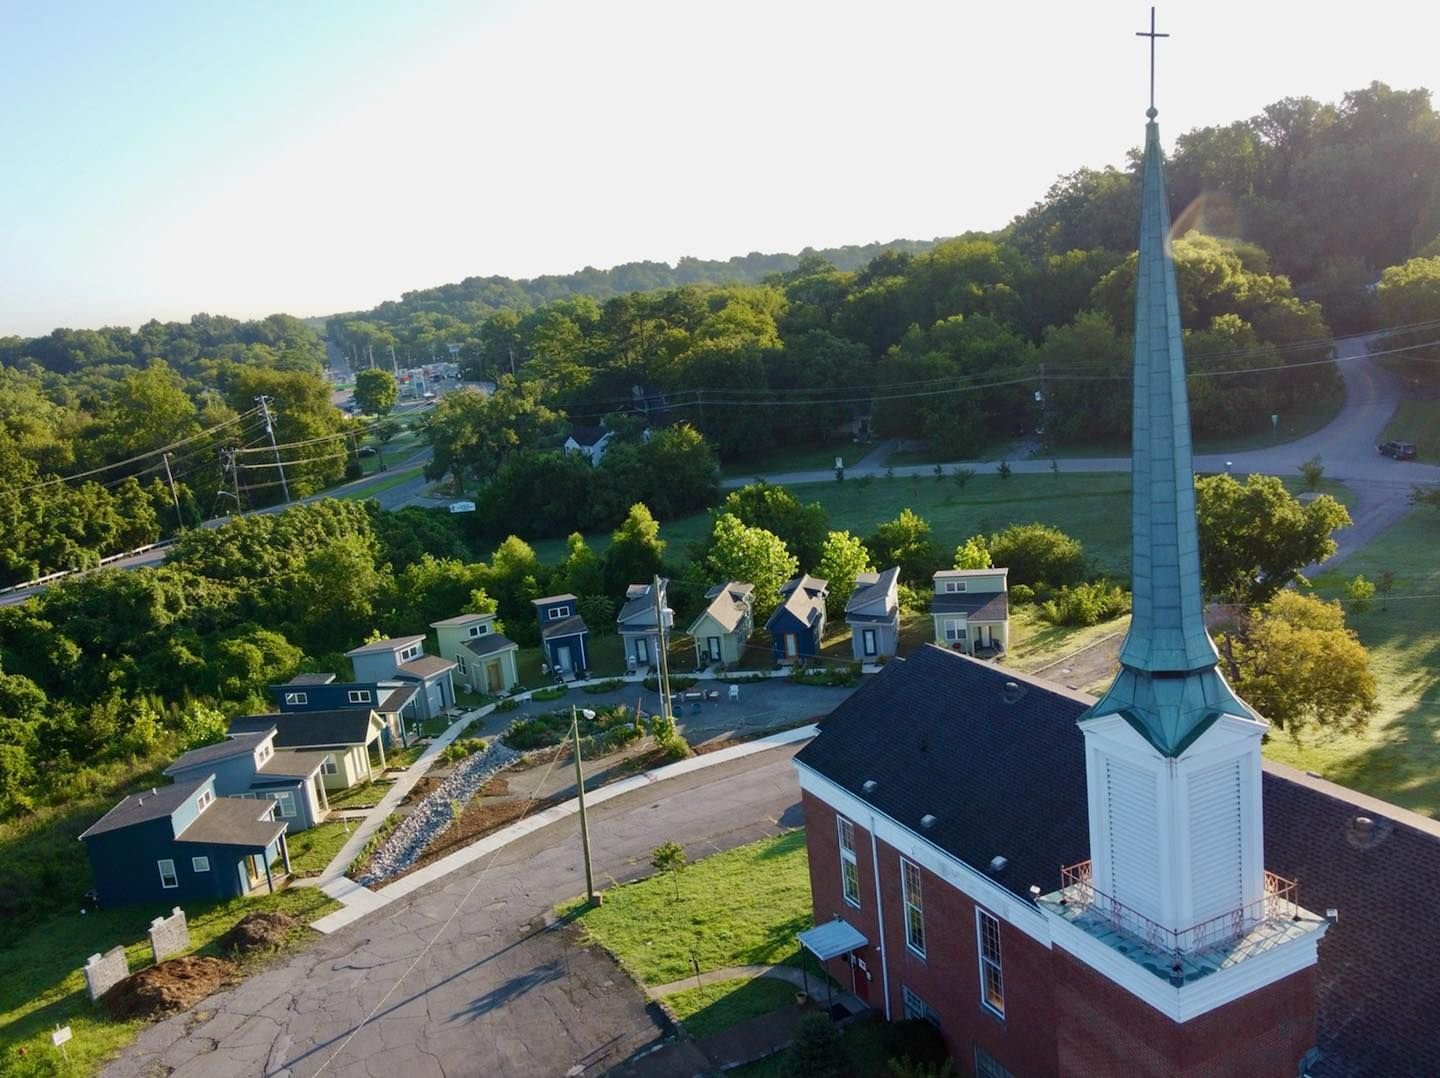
(1152, 35)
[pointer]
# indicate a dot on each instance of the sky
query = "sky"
(241, 159)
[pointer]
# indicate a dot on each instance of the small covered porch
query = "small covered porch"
(839, 939)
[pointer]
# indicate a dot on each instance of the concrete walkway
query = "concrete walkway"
(402, 786)
(360, 901)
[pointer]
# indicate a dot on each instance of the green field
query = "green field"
(392, 479)
(811, 458)
(1398, 757)
(313, 849)
(720, 1005)
(1417, 421)
(43, 986)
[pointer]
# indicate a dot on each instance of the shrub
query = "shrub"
(816, 1051)
(536, 732)
(462, 747)
(1022, 593)
(508, 704)
(1085, 604)
(540, 696)
(678, 682)
(609, 685)
(1036, 553)
(916, 1042)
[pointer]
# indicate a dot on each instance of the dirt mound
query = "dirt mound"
(258, 932)
(496, 787)
(172, 986)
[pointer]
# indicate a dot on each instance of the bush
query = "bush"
(609, 685)
(678, 682)
(462, 747)
(540, 696)
(537, 732)
(508, 704)
(1086, 604)
(840, 675)
(1022, 593)
(916, 1043)
(1037, 553)
(816, 1051)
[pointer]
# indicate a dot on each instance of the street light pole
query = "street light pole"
(580, 795)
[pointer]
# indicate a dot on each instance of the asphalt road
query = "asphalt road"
(410, 991)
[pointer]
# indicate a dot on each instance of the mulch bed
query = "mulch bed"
(499, 786)
(421, 790)
(174, 985)
(258, 932)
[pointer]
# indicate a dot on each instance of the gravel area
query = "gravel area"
(433, 815)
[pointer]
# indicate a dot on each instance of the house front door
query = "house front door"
(868, 641)
(792, 646)
(562, 658)
(492, 677)
(642, 650)
(252, 871)
(713, 643)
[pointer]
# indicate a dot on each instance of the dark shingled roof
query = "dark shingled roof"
(873, 588)
(293, 763)
(489, 644)
(238, 745)
(976, 606)
(1004, 774)
(394, 697)
(311, 679)
(587, 435)
(311, 729)
(147, 805)
(234, 821)
(571, 626)
(426, 666)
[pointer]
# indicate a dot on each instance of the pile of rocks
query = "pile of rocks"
(434, 814)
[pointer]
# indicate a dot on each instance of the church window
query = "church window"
(849, 870)
(992, 985)
(914, 907)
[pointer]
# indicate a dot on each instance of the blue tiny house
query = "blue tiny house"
(250, 766)
(403, 658)
(637, 624)
(797, 628)
(564, 636)
(181, 843)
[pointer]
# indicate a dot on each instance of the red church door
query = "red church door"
(859, 978)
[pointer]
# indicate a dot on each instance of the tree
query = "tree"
(752, 556)
(973, 553)
(842, 558)
(1255, 537)
(905, 541)
(376, 391)
(1312, 470)
(1037, 554)
(472, 432)
(669, 857)
(1361, 593)
(1297, 664)
(636, 550)
(801, 526)
(816, 1051)
(582, 572)
(682, 470)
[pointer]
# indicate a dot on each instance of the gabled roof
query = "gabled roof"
(394, 643)
(426, 666)
(489, 644)
(238, 745)
(805, 604)
(234, 821)
(312, 729)
(975, 605)
(729, 603)
(804, 582)
(588, 436)
(1008, 779)
(640, 604)
(394, 697)
(461, 619)
(147, 805)
(311, 679)
(875, 589)
(574, 625)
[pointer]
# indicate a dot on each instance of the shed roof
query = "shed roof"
(425, 667)
(234, 745)
(153, 804)
(305, 729)
(461, 619)
(975, 605)
(574, 625)
(294, 763)
(490, 644)
(311, 679)
(234, 821)
(394, 643)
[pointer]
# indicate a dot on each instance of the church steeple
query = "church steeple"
(1168, 687)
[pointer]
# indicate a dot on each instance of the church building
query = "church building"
(1072, 886)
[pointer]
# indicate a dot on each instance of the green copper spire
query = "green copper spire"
(1168, 687)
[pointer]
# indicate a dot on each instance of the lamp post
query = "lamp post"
(580, 795)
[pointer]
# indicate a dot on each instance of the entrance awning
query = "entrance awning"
(834, 938)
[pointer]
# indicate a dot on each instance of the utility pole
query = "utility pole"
(394, 366)
(580, 795)
(264, 403)
(664, 649)
(179, 518)
(371, 349)
(227, 457)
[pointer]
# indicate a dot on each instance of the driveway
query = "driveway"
(459, 978)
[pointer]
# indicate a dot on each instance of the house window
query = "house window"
(987, 1066)
(265, 753)
(359, 696)
(914, 907)
(556, 613)
(409, 653)
(479, 630)
(168, 878)
(849, 871)
(329, 767)
(200, 864)
(954, 629)
(992, 985)
(868, 638)
(915, 1007)
(204, 799)
(293, 698)
(460, 663)
(954, 585)
(285, 799)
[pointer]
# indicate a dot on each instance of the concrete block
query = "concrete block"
(104, 971)
(169, 934)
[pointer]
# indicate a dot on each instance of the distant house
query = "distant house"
(724, 626)
(250, 766)
(590, 442)
(564, 636)
(403, 658)
(486, 659)
(346, 737)
(873, 614)
(972, 611)
(637, 625)
(396, 702)
(798, 625)
(182, 843)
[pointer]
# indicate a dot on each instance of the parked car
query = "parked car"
(1398, 450)
(367, 451)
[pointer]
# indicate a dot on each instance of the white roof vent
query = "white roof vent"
(997, 864)
(927, 821)
(869, 786)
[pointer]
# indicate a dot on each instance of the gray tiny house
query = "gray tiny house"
(873, 614)
(638, 626)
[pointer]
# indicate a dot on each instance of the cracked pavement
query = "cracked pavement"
(497, 992)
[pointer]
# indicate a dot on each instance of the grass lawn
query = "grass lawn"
(362, 796)
(43, 986)
(723, 1004)
(312, 850)
(1417, 421)
(404, 757)
(393, 479)
(1036, 644)
(738, 908)
(1397, 757)
(801, 458)
(607, 659)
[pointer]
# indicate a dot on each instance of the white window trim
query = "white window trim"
(954, 629)
(174, 876)
(204, 800)
(200, 864)
(909, 906)
(284, 799)
(868, 644)
(359, 696)
(296, 698)
(915, 1007)
(987, 962)
(329, 766)
(955, 585)
(847, 857)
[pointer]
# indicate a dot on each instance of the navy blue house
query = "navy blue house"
(396, 702)
(182, 843)
(798, 625)
(564, 636)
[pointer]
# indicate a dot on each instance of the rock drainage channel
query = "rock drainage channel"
(435, 813)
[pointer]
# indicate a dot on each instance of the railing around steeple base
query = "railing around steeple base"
(1278, 902)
